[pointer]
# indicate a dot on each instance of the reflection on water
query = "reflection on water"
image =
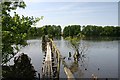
(101, 58)
(75, 68)
(34, 51)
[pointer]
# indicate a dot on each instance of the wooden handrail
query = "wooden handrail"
(66, 69)
(58, 58)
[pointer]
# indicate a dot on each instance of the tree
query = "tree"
(14, 29)
(52, 30)
(97, 31)
(72, 30)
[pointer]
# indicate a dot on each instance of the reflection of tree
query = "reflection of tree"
(82, 49)
(22, 69)
(75, 68)
(79, 47)
(79, 55)
(75, 44)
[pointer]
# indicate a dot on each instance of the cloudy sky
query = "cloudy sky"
(68, 13)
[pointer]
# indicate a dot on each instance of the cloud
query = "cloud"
(45, 10)
(64, 13)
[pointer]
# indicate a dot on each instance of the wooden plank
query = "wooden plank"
(53, 53)
(69, 74)
(47, 68)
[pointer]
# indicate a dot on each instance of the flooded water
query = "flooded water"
(101, 58)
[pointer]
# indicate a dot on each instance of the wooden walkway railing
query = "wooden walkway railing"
(51, 62)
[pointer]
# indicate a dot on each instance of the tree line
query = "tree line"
(50, 30)
(107, 31)
(74, 31)
(91, 31)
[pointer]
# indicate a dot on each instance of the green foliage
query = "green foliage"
(75, 41)
(72, 30)
(14, 29)
(9, 5)
(91, 31)
(97, 31)
(50, 30)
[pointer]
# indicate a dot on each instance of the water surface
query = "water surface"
(102, 55)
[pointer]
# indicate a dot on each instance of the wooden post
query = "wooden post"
(38, 76)
(58, 67)
(69, 74)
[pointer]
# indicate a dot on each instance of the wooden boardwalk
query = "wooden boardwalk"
(48, 55)
(51, 62)
(47, 67)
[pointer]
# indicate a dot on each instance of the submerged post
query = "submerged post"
(38, 76)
